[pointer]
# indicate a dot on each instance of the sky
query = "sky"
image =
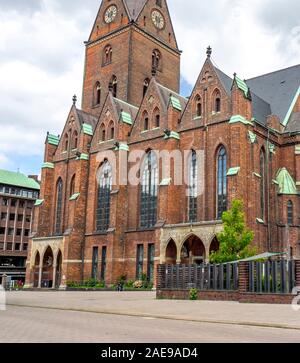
(42, 57)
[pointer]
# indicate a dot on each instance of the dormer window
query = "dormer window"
(146, 121)
(217, 101)
(198, 106)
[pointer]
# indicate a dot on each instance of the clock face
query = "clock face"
(110, 14)
(158, 19)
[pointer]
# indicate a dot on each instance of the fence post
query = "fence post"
(297, 272)
(243, 277)
(161, 277)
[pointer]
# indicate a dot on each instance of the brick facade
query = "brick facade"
(232, 116)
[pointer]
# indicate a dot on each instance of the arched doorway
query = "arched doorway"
(193, 251)
(214, 246)
(47, 272)
(58, 269)
(171, 253)
(36, 269)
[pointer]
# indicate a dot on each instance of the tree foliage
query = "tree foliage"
(236, 238)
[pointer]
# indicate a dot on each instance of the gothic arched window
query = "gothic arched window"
(111, 130)
(156, 59)
(103, 201)
(221, 182)
(262, 184)
(58, 207)
(217, 101)
(75, 140)
(198, 106)
(149, 191)
(66, 142)
(193, 192)
(156, 118)
(107, 55)
(72, 186)
(114, 85)
(146, 121)
(102, 133)
(97, 94)
(290, 213)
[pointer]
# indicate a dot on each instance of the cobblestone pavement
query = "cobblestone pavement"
(19, 324)
(138, 317)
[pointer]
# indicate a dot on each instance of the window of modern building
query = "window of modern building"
(25, 247)
(26, 232)
(290, 213)
(95, 263)
(2, 230)
(13, 203)
(103, 263)
(19, 232)
(5, 202)
(58, 207)
(17, 246)
(139, 261)
(20, 217)
(3, 216)
(221, 182)
(193, 179)
(21, 204)
(149, 191)
(151, 259)
(12, 217)
(11, 231)
(103, 203)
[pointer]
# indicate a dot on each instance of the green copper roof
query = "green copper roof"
(286, 184)
(47, 166)
(126, 118)
(172, 135)
(242, 86)
(17, 180)
(122, 147)
(238, 118)
(52, 139)
(252, 137)
(233, 171)
(87, 129)
(175, 103)
(297, 150)
(75, 196)
(38, 202)
(84, 157)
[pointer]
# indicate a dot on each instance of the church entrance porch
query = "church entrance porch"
(189, 244)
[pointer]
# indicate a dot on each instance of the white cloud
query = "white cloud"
(42, 55)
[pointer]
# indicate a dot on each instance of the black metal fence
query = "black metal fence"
(202, 277)
(272, 277)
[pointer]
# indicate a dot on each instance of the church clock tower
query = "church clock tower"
(131, 41)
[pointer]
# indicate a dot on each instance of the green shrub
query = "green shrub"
(129, 284)
(193, 294)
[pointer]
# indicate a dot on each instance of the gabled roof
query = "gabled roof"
(87, 118)
(294, 123)
(260, 108)
(124, 107)
(17, 180)
(278, 89)
(166, 93)
(134, 7)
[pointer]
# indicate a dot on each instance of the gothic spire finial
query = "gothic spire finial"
(209, 51)
(74, 100)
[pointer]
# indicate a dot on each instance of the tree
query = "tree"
(235, 240)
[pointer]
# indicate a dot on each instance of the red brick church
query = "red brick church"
(89, 223)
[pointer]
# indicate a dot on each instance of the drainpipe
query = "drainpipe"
(268, 191)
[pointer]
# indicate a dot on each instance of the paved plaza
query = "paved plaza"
(139, 317)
